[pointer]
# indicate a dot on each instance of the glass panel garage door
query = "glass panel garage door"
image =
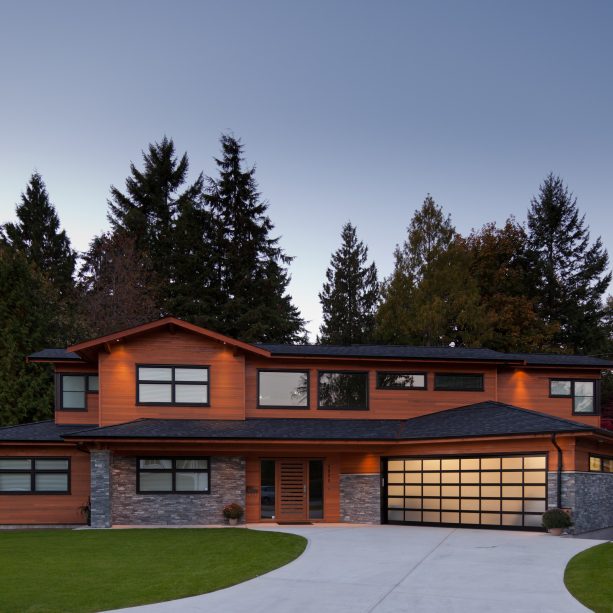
(505, 491)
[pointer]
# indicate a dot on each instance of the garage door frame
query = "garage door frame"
(385, 484)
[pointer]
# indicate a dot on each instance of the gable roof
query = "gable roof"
(476, 420)
(54, 355)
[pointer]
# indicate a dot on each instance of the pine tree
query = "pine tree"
(37, 235)
(27, 314)
(429, 235)
(350, 294)
(570, 273)
(147, 211)
(249, 265)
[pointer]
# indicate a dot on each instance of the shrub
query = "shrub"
(233, 511)
(556, 518)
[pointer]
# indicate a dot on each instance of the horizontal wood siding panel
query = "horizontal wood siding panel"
(118, 376)
(585, 447)
(48, 508)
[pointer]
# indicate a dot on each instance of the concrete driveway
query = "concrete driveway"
(388, 569)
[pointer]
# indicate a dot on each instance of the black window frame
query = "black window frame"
(306, 371)
(366, 373)
(33, 471)
(600, 457)
(572, 396)
(173, 471)
(172, 384)
(381, 373)
(60, 389)
(459, 374)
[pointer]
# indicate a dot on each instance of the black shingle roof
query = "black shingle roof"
(482, 419)
(555, 359)
(54, 354)
(47, 431)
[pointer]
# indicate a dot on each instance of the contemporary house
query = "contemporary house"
(167, 422)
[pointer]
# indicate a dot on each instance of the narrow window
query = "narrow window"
(267, 489)
(345, 390)
(401, 380)
(173, 475)
(316, 489)
(173, 385)
(458, 382)
(34, 475)
(283, 389)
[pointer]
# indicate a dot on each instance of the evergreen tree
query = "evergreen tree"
(429, 235)
(147, 211)
(350, 294)
(117, 285)
(27, 314)
(570, 273)
(250, 267)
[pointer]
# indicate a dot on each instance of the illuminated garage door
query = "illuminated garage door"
(508, 491)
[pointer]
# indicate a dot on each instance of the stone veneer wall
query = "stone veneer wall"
(588, 494)
(129, 507)
(100, 495)
(361, 498)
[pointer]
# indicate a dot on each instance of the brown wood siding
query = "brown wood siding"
(529, 389)
(118, 376)
(587, 446)
(48, 508)
(383, 404)
(92, 414)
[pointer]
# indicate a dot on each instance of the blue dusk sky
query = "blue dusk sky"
(351, 110)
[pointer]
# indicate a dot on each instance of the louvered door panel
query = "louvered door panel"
(292, 490)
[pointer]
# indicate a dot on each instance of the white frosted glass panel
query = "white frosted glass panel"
(469, 518)
(201, 463)
(432, 464)
(412, 516)
(468, 504)
(396, 503)
(535, 462)
(191, 482)
(154, 392)
(73, 383)
(511, 491)
(450, 518)
(14, 482)
(450, 504)
(51, 482)
(73, 400)
(52, 464)
(470, 491)
(412, 477)
(395, 478)
(470, 477)
(395, 490)
(395, 515)
(534, 477)
(490, 491)
(157, 463)
(512, 477)
(533, 520)
(198, 394)
(432, 477)
(490, 505)
(511, 520)
(432, 516)
(534, 506)
(16, 464)
(450, 490)
(431, 503)
(412, 490)
(393, 464)
(470, 463)
(514, 506)
(491, 519)
(534, 491)
(201, 375)
(154, 374)
(490, 463)
(450, 477)
(450, 464)
(413, 465)
(155, 482)
(490, 477)
(432, 490)
(413, 503)
(510, 463)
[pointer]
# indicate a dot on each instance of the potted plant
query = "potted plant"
(86, 511)
(556, 521)
(233, 512)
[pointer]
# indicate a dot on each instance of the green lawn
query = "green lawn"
(67, 571)
(589, 578)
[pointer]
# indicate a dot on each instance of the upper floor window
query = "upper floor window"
(601, 463)
(283, 389)
(343, 390)
(74, 389)
(173, 385)
(34, 475)
(401, 380)
(583, 393)
(173, 475)
(458, 382)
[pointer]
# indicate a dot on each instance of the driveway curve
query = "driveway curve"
(385, 569)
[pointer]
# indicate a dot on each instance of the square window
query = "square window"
(558, 387)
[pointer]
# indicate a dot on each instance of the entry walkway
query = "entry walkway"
(389, 569)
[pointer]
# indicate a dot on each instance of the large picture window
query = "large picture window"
(343, 390)
(401, 380)
(34, 475)
(173, 385)
(173, 476)
(74, 389)
(458, 382)
(582, 392)
(283, 389)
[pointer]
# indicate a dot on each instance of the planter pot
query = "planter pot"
(555, 531)
(233, 521)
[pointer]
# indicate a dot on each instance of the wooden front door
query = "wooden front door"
(292, 488)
